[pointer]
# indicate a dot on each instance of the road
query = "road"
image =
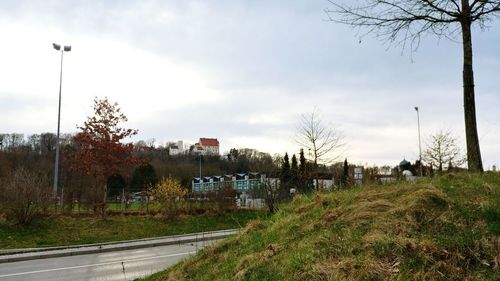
(101, 266)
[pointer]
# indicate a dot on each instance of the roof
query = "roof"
(404, 163)
(209, 142)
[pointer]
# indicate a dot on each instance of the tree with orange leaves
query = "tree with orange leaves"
(99, 150)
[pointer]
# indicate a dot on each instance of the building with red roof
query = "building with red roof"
(207, 146)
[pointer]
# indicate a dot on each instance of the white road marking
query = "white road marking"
(96, 264)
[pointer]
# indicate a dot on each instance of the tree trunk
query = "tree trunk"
(473, 152)
(104, 199)
(316, 180)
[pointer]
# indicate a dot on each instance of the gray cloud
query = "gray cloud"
(267, 58)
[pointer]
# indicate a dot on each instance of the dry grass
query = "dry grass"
(440, 229)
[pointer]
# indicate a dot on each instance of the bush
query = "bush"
(224, 198)
(168, 193)
(24, 195)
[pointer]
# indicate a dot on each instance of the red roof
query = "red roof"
(209, 142)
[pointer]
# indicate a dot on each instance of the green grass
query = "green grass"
(445, 228)
(65, 230)
(130, 207)
(134, 206)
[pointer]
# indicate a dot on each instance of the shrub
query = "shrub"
(168, 193)
(24, 195)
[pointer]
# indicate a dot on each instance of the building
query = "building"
(247, 187)
(244, 182)
(324, 183)
(175, 148)
(207, 146)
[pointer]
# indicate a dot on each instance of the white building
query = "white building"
(207, 146)
(175, 148)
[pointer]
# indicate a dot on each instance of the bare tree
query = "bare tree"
(443, 149)
(34, 143)
(271, 189)
(48, 142)
(323, 142)
(406, 21)
(12, 141)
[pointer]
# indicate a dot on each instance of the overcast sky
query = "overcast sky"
(241, 71)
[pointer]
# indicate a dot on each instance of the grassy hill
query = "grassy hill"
(445, 228)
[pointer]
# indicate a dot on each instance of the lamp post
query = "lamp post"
(201, 181)
(56, 165)
(419, 142)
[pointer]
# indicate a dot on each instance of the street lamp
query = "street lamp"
(56, 165)
(201, 181)
(419, 142)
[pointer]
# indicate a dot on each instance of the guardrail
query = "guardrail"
(39, 253)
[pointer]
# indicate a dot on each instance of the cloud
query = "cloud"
(242, 71)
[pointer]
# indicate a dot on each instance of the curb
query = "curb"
(114, 246)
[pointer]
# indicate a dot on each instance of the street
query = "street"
(119, 265)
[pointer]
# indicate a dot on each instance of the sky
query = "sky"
(240, 71)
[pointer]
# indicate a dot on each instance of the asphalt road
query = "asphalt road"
(101, 266)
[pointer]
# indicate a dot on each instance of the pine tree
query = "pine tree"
(143, 177)
(285, 170)
(116, 184)
(304, 182)
(345, 175)
(294, 173)
(285, 177)
(303, 163)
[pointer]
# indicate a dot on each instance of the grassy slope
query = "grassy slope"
(444, 228)
(57, 231)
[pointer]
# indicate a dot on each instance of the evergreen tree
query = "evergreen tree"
(285, 170)
(294, 173)
(116, 184)
(303, 163)
(233, 154)
(345, 174)
(304, 181)
(285, 178)
(144, 176)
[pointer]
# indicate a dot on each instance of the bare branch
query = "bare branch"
(443, 149)
(403, 21)
(319, 139)
(485, 9)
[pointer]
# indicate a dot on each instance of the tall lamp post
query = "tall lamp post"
(201, 181)
(419, 142)
(56, 165)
